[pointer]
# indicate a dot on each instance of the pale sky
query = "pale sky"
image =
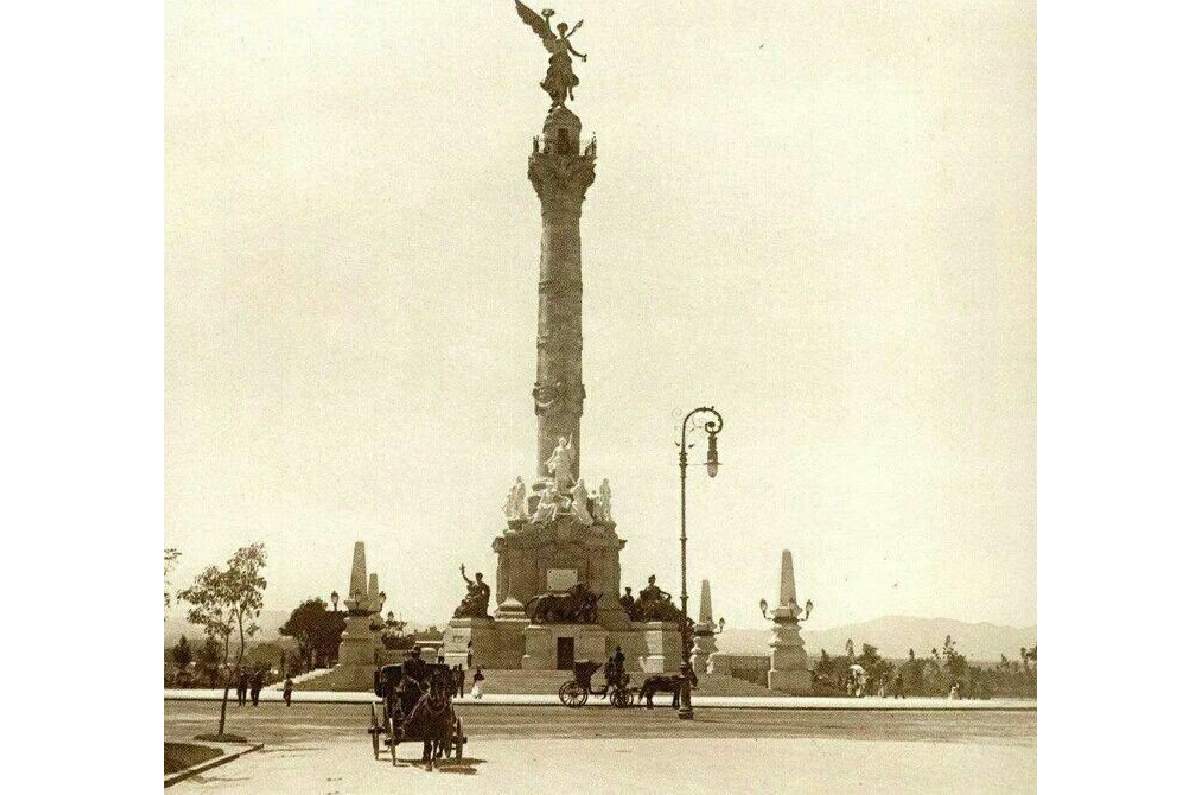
(816, 216)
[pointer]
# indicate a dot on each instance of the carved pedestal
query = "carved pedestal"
(663, 647)
(789, 662)
(471, 642)
(356, 653)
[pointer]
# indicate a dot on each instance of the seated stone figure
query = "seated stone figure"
(630, 606)
(475, 603)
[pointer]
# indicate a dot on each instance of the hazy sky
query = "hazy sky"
(818, 217)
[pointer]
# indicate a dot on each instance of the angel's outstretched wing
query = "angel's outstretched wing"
(531, 18)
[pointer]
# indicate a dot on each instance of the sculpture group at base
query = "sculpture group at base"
(577, 605)
(651, 604)
(556, 496)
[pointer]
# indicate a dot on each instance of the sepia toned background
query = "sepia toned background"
(817, 217)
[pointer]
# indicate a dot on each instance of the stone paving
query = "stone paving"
(732, 702)
(764, 765)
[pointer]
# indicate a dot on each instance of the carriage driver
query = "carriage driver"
(408, 691)
(614, 670)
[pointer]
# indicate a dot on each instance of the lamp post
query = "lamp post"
(712, 427)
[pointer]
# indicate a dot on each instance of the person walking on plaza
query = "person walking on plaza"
(256, 684)
(460, 680)
(243, 682)
(287, 691)
(477, 688)
(898, 688)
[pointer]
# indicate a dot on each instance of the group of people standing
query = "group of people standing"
(249, 684)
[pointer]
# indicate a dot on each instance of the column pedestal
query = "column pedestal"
(789, 662)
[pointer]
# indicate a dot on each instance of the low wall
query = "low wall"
(747, 667)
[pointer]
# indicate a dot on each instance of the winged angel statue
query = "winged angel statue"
(560, 77)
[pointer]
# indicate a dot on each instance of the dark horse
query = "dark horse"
(662, 683)
(431, 719)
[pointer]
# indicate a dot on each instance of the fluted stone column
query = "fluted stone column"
(561, 177)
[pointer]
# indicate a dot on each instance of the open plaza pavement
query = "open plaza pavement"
(323, 748)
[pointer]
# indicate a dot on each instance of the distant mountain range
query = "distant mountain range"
(892, 635)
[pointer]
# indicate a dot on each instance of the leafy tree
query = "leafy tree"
(170, 557)
(227, 600)
(182, 653)
(305, 625)
(956, 663)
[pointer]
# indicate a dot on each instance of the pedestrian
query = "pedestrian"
(256, 684)
(243, 683)
(898, 691)
(469, 653)
(460, 679)
(477, 688)
(287, 691)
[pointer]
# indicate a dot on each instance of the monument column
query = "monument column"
(561, 177)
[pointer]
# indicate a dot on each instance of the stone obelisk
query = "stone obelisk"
(356, 653)
(561, 175)
(789, 662)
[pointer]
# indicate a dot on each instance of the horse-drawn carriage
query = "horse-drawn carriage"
(575, 691)
(415, 706)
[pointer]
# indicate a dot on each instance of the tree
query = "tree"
(182, 653)
(170, 557)
(305, 625)
(956, 663)
(227, 600)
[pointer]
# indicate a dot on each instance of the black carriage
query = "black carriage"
(575, 692)
(414, 707)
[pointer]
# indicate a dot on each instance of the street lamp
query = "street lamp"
(712, 427)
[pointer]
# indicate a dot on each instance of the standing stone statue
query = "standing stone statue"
(514, 506)
(559, 464)
(604, 502)
(560, 79)
(579, 498)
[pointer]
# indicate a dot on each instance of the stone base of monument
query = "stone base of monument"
(545, 647)
(789, 663)
(480, 642)
(653, 647)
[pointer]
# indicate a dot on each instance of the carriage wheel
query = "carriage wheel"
(458, 739)
(374, 730)
(573, 694)
(622, 697)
